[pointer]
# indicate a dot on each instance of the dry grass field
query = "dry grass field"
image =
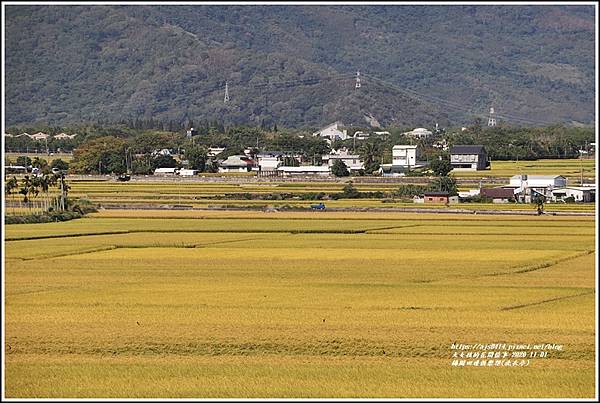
(303, 304)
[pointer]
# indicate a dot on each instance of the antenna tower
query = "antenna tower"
(357, 85)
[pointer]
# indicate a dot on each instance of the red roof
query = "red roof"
(497, 193)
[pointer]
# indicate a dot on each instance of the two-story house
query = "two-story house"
(469, 158)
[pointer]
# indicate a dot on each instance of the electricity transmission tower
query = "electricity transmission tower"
(226, 99)
(492, 118)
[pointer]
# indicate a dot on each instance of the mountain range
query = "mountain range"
(296, 65)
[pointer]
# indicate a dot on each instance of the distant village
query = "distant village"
(406, 158)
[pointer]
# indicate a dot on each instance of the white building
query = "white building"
(165, 171)
(332, 132)
(352, 161)
(527, 187)
(554, 181)
(468, 193)
(164, 152)
(269, 163)
(359, 135)
(322, 170)
(188, 172)
(39, 136)
(404, 158)
(236, 163)
(269, 160)
(407, 156)
(419, 133)
(578, 193)
(65, 136)
(214, 151)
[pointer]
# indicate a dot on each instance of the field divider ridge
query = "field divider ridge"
(539, 266)
(509, 308)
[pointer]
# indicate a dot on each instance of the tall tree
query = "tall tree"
(196, 157)
(339, 168)
(440, 164)
(101, 155)
(368, 153)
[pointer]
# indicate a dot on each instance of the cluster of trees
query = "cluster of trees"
(118, 147)
(438, 184)
(31, 186)
(526, 143)
(138, 153)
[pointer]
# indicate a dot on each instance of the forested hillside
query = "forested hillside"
(295, 65)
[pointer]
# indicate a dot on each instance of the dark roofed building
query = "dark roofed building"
(469, 157)
(498, 194)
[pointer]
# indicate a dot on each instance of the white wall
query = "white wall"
(404, 156)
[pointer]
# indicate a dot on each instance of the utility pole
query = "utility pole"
(62, 193)
(581, 168)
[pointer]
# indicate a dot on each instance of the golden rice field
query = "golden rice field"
(204, 195)
(67, 157)
(569, 168)
(296, 304)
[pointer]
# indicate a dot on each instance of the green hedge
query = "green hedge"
(43, 218)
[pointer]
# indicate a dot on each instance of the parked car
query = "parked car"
(319, 206)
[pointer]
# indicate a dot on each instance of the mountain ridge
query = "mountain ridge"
(171, 62)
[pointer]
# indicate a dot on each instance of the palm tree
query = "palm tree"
(61, 183)
(29, 189)
(368, 151)
(11, 186)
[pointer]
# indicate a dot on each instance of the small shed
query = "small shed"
(436, 197)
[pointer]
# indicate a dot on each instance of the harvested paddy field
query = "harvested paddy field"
(188, 192)
(569, 168)
(297, 304)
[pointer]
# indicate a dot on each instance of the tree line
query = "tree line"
(131, 146)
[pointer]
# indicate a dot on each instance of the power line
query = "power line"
(277, 86)
(426, 98)
(450, 104)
